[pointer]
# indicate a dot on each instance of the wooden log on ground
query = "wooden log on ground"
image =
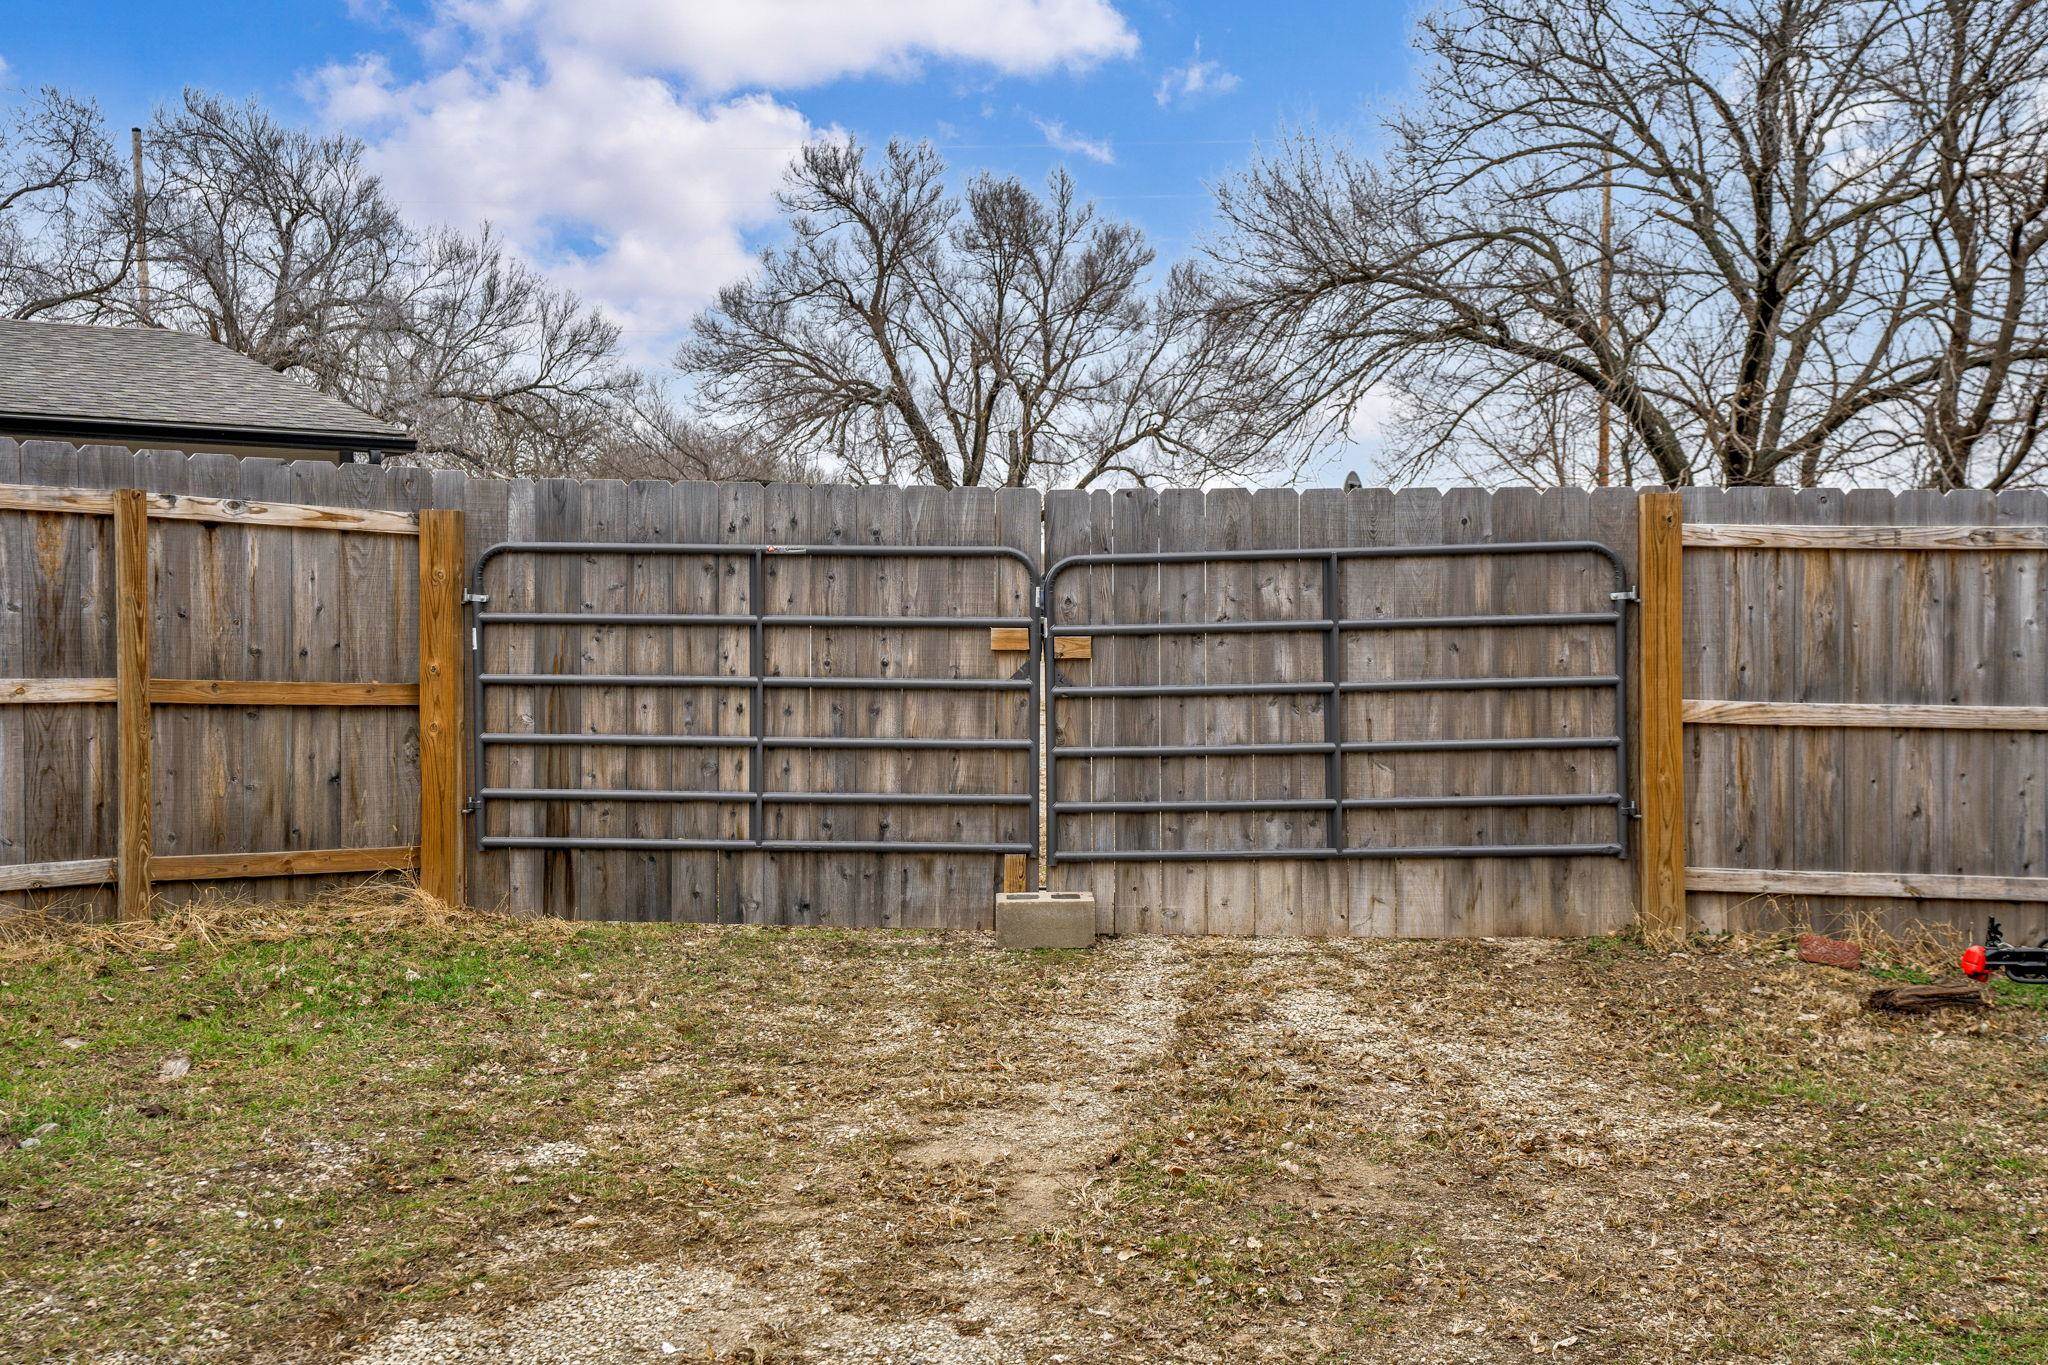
(1956, 993)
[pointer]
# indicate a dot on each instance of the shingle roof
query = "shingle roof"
(148, 378)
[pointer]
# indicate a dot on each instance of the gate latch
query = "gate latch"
(1626, 595)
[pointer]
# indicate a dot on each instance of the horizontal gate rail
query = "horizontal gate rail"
(748, 680)
(1362, 746)
(1333, 624)
(749, 741)
(758, 682)
(573, 841)
(1310, 623)
(630, 618)
(629, 794)
(1540, 799)
(1423, 746)
(1175, 855)
(1302, 688)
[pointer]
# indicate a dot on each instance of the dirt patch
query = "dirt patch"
(1358, 1185)
(454, 1141)
(1041, 1148)
(1000, 1173)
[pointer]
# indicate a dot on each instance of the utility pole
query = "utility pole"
(141, 231)
(1603, 464)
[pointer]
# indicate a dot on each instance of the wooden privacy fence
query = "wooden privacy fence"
(648, 752)
(838, 699)
(1824, 704)
(1342, 711)
(136, 691)
(1855, 704)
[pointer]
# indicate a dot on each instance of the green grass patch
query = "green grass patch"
(263, 1136)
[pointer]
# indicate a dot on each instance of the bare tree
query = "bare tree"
(489, 364)
(1002, 337)
(269, 240)
(1792, 289)
(653, 438)
(65, 238)
(1534, 425)
(283, 245)
(1974, 89)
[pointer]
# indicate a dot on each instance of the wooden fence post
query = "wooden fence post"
(131, 697)
(441, 788)
(1660, 673)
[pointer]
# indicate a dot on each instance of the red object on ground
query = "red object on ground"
(1974, 965)
(1830, 952)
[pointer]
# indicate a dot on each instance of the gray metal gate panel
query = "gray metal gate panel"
(1334, 687)
(760, 682)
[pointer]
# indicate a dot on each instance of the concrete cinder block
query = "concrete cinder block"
(1045, 919)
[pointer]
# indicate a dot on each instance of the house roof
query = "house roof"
(145, 383)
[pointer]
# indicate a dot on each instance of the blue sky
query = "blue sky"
(630, 146)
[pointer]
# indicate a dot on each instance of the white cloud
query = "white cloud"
(1196, 80)
(1064, 139)
(628, 146)
(721, 45)
(614, 184)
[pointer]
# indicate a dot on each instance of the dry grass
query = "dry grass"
(215, 922)
(394, 1132)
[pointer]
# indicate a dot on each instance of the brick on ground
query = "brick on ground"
(1830, 952)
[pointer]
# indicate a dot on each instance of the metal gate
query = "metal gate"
(1042, 628)
(1335, 747)
(758, 683)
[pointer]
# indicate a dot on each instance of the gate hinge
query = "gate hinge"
(476, 597)
(1626, 595)
(1632, 810)
(469, 807)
